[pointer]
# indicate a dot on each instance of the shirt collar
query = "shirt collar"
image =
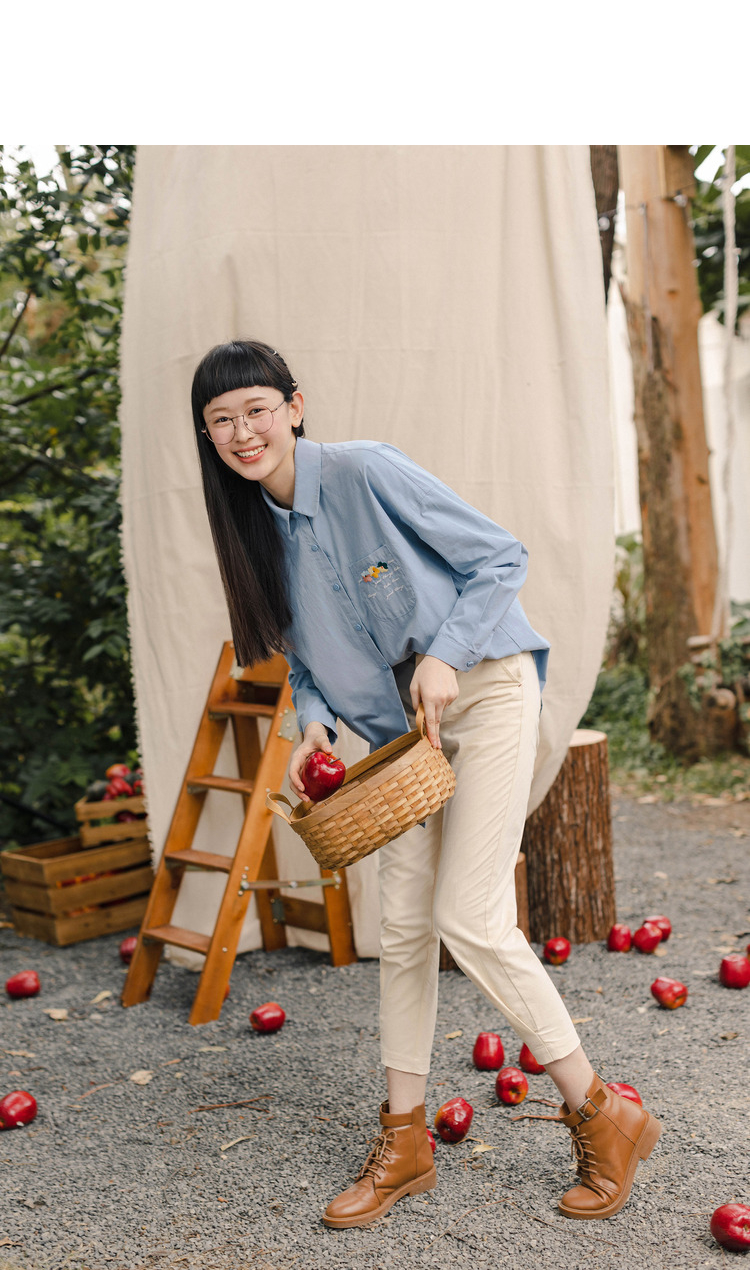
(308, 463)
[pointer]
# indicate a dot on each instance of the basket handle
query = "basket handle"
(271, 801)
(420, 719)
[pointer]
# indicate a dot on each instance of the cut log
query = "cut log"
(568, 847)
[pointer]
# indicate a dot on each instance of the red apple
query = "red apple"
(117, 769)
(118, 786)
(734, 971)
(267, 1018)
(17, 1108)
(556, 951)
(664, 924)
(431, 1140)
(127, 948)
(625, 1091)
(669, 992)
(488, 1053)
(25, 983)
(730, 1227)
(647, 937)
(528, 1063)
(125, 816)
(453, 1119)
(321, 775)
(619, 938)
(511, 1085)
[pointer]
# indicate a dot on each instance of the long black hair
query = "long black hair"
(248, 544)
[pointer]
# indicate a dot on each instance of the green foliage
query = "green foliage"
(65, 686)
(708, 230)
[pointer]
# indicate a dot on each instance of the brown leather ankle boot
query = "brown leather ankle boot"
(400, 1163)
(610, 1135)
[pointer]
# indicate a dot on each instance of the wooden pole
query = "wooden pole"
(679, 541)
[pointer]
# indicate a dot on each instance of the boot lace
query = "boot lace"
(582, 1152)
(380, 1156)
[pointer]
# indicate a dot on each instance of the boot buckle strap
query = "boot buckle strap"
(582, 1113)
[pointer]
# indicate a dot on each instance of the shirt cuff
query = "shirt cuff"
(456, 655)
(318, 716)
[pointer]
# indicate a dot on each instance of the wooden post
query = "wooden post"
(568, 846)
(679, 542)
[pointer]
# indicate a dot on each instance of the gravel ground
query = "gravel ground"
(113, 1175)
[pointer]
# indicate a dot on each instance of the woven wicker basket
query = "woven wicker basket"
(382, 796)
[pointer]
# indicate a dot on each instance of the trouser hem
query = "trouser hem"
(403, 1064)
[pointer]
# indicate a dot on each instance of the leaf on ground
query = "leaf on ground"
(6, 926)
(142, 1078)
(21, 1053)
(729, 1036)
(586, 1019)
(660, 875)
(641, 1009)
(451, 1036)
(246, 1138)
(480, 1147)
(211, 1049)
(660, 951)
(58, 1015)
(101, 996)
(649, 798)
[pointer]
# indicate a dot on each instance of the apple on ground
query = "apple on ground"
(488, 1053)
(625, 1091)
(730, 1227)
(321, 775)
(511, 1085)
(17, 1108)
(127, 948)
(556, 951)
(25, 983)
(431, 1140)
(664, 924)
(647, 937)
(528, 1063)
(669, 992)
(453, 1119)
(619, 938)
(268, 1017)
(734, 971)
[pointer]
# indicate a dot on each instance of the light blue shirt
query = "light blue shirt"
(383, 559)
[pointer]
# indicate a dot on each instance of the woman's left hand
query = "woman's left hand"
(434, 683)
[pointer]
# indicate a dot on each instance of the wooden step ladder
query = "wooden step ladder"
(244, 696)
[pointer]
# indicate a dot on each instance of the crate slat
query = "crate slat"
(46, 863)
(59, 900)
(96, 811)
(72, 930)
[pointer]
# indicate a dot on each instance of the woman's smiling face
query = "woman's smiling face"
(262, 446)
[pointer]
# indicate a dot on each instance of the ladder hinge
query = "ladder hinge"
(277, 909)
(288, 727)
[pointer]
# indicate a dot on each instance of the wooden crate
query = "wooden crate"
(62, 893)
(94, 833)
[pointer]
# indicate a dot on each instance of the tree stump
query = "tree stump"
(522, 906)
(568, 846)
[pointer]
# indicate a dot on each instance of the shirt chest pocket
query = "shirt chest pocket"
(379, 581)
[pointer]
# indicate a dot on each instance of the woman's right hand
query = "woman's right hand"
(316, 738)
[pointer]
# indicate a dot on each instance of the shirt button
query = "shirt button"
(470, 663)
(385, 666)
(357, 626)
(313, 548)
(336, 586)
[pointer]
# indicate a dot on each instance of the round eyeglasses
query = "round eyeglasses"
(222, 431)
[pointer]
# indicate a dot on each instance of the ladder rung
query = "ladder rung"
(180, 937)
(229, 783)
(223, 709)
(201, 859)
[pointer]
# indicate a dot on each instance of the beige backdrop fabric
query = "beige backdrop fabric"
(447, 299)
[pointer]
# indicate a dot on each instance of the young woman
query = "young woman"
(383, 588)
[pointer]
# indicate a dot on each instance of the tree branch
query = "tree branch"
(14, 327)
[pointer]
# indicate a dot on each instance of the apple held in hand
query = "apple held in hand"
(17, 1108)
(26, 984)
(730, 1227)
(625, 1091)
(268, 1018)
(321, 775)
(488, 1053)
(528, 1063)
(669, 992)
(647, 937)
(431, 1140)
(453, 1119)
(664, 924)
(511, 1085)
(556, 951)
(619, 938)
(127, 948)
(734, 971)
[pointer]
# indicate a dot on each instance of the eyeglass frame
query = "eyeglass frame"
(233, 420)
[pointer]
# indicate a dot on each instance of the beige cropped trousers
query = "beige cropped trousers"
(454, 878)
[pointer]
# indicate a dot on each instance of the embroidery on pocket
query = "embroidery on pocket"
(384, 580)
(373, 573)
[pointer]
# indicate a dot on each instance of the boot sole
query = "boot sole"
(424, 1183)
(643, 1148)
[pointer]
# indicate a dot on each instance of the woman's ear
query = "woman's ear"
(296, 409)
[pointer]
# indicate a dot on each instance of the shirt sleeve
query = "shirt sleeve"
(310, 706)
(491, 562)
